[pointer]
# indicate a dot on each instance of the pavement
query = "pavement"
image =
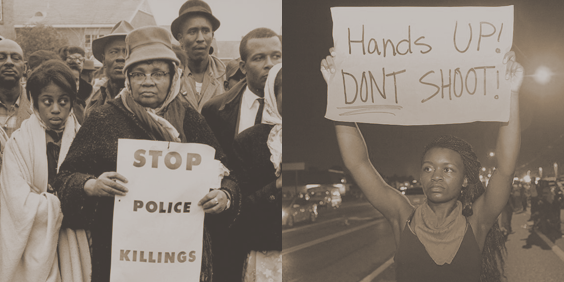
(542, 262)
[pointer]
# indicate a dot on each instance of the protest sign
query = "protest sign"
(420, 65)
(158, 226)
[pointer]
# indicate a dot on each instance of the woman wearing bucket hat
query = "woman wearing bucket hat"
(147, 108)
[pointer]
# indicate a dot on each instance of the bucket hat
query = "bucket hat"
(148, 43)
(121, 29)
(189, 8)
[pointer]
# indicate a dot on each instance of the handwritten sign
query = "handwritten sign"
(158, 225)
(420, 65)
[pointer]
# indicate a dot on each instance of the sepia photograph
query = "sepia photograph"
(423, 141)
(141, 140)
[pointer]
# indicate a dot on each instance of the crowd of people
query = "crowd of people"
(544, 200)
(60, 124)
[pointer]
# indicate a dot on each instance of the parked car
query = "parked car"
(415, 195)
(298, 209)
(321, 196)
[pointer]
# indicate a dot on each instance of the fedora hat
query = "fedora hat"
(121, 29)
(189, 8)
(148, 43)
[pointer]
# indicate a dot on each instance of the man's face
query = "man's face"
(75, 61)
(195, 37)
(12, 65)
(263, 53)
(114, 59)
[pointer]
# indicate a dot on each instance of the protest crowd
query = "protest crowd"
(61, 120)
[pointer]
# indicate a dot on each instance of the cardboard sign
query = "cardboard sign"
(158, 225)
(420, 65)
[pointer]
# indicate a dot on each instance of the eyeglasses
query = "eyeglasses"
(155, 76)
(75, 58)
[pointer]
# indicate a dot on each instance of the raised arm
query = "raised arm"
(492, 202)
(389, 201)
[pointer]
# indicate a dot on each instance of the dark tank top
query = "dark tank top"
(413, 263)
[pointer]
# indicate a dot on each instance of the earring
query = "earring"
(467, 211)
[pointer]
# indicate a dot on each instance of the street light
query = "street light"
(542, 75)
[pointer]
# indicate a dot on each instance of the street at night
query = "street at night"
(361, 248)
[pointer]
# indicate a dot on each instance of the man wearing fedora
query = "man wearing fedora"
(111, 51)
(231, 113)
(204, 74)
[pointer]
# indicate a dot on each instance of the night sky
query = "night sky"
(309, 137)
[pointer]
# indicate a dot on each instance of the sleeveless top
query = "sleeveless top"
(413, 263)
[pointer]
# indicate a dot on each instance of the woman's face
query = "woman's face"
(54, 106)
(150, 83)
(442, 175)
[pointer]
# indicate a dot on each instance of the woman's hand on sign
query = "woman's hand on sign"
(513, 71)
(214, 202)
(106, 185)
(328, 65)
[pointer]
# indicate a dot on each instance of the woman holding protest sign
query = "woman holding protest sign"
(454, 235)
(147, 108)
(33, 246)
(259, 152)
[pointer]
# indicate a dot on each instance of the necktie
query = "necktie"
(258, 119)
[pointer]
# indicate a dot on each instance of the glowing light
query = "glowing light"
(492, 154)
(483, 169)
(542, 75)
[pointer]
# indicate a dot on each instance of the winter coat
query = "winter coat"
(94, 151)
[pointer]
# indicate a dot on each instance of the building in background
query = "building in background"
(7, 19)
(81, 21)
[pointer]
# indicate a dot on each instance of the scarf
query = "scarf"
(272, 116)
(167, 119)
(33, 247)
(441, 239)
(160, 120)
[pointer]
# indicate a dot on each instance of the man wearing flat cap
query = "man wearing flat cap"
(111, 51)
(204, 74)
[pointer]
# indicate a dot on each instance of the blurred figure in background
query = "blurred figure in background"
(233, 74)
(88, 71)
(14, 107)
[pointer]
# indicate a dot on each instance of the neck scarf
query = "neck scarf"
(272, 116)
(441, 239)
(160, 120)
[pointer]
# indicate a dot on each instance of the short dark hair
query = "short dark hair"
(51, 71)
(38, 57)
(261, 32)
(64, 52)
